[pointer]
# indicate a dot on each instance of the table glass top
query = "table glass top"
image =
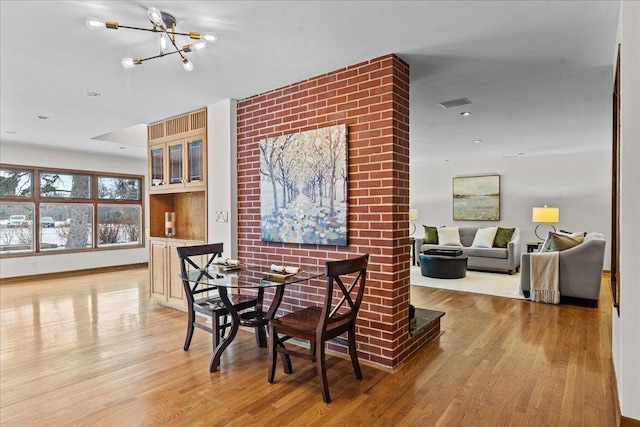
(251, 275)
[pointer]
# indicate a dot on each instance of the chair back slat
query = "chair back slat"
(189, 255)
(354, 272)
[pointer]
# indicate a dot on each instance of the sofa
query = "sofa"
(579, 270)
(504, 260)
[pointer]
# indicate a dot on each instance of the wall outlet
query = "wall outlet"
(31, 263)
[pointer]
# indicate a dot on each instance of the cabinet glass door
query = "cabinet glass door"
(194, 151)
(175, 164)
(157, 166)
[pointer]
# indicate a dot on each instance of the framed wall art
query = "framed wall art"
(476, 198)
(303, 187)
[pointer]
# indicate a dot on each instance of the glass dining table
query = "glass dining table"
(254, 277)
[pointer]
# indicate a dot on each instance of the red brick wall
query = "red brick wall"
(372, 99)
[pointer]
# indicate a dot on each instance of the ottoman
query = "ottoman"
(443, 266)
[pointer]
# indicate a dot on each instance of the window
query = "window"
(16, 227)
(68, 211)
(118, 188)
(16, 182)
(64, 185)
(73, 227)
(119, 225)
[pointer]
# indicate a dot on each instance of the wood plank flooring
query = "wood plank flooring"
(95, 351)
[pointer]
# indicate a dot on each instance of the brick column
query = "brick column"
(372, 99)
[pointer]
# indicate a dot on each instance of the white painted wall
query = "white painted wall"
(42, 264)
(222, 175)
(579, 184)
(626, 328)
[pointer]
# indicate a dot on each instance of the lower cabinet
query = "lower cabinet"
(164, 270)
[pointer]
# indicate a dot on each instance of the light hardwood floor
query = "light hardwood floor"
(94, 350)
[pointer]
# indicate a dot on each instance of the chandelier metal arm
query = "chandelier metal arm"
(193, 34)
(161, 55)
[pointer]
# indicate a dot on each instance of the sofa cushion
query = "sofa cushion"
(430, 234)
(449, 236)
(503, 237)
(484, 237)
(487, 252)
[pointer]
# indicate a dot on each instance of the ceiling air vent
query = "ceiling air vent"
(454, 103)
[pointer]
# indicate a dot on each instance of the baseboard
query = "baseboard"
(71, 273)
(629, 422)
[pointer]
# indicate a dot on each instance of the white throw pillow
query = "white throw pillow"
(484, 237)
(449, 236)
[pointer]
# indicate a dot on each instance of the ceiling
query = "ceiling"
(538, 73)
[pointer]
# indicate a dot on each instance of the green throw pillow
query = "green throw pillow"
(430, 235)
(503, 237)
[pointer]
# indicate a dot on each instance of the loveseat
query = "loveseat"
(506, 260)
(579, 271)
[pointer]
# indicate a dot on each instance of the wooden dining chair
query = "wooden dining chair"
(344, 290)
(209, 304)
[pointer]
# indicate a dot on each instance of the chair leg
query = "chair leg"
(351, 337)
(287, 367)
(312, 350)
(191, 318)
(322, 371)
(273, 354)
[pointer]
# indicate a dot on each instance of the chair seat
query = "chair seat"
(307, 320)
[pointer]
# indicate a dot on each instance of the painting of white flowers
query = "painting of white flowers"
(303, 187)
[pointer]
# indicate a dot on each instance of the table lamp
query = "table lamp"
(413, 216)
(545, 215)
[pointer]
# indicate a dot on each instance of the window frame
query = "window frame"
(94, 200)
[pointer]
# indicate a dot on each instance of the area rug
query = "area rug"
(480, 282)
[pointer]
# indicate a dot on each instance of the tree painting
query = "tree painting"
(303, 187)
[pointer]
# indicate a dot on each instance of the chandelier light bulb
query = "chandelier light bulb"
(199, 45)
(155, 16)
(209, 37)
(130, 62)
(93, 23)
(188, 66)
(163, 42)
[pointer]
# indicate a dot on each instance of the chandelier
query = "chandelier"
(164, 24)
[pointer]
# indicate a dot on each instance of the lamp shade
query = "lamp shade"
(413, 214)
(545, 214)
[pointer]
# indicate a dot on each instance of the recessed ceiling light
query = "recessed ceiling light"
(43, 117)
(477, 141)
(92, 94)
(465, 114)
